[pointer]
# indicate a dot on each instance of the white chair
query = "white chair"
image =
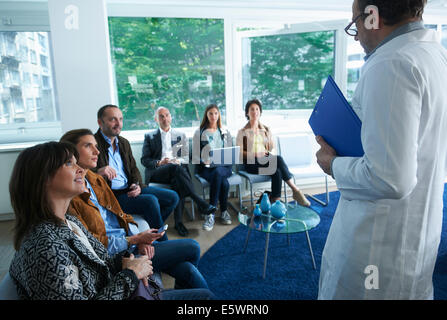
(298, 153)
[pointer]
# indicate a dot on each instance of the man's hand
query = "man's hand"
(325, 155)
(107, 172)
(148, 236)
(135, 191)
(174, 161)
(163, 162)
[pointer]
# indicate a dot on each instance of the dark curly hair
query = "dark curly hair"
(395, 11)
(249, 103)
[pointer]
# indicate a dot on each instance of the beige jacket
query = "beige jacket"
(245, 139)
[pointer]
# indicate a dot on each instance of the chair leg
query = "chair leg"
(240, 197)
(251, 195)
(190, 213)
(327, 196)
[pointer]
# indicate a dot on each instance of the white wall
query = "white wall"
(80, 39)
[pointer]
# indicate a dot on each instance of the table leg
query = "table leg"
(310, 249)
(267, 238)
(246, 239)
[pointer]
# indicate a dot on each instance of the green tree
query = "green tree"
(286, 71)
(175, 63)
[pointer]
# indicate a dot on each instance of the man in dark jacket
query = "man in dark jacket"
(117, 165)
(165, 157)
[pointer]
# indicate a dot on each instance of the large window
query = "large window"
(20, 120)
(169, 62)
(287, 71)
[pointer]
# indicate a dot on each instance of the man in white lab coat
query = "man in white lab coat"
(384, 238)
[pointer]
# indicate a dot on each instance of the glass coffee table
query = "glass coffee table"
(297, 219)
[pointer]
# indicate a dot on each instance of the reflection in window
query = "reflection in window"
(444, 36)
(355, 62)
(287, 71)
(175, 63)
(16, 92)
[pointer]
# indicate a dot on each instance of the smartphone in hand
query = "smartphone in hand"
(164, 228)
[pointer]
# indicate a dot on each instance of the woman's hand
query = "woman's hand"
(146, 250)
(142, 266)
(262, 154)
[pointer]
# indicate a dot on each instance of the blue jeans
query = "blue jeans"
(282, 173)
(219, 186)
(179, 259)
(153, 204)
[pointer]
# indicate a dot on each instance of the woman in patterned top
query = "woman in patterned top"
(57, 258)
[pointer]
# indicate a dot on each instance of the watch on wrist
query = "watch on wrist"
(128, 242)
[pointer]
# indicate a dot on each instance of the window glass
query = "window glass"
(20, 86)
(444, 36)
(287, 71)
(355, 62)
(169, 62)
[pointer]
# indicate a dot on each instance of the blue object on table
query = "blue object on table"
(265, 203)
(257, 211)
(334, 119)
(278, 210)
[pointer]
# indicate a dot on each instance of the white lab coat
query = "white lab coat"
(390, 211)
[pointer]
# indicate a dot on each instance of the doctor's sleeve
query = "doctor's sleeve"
(391, 102)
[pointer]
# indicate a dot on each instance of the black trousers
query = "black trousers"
(179, 178)
(277, 169)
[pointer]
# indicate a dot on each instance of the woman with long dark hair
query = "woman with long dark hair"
(100, 212)
(213, 135)
(57, 258)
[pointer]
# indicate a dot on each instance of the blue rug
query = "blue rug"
(234, 275)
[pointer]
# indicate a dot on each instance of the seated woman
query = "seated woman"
(57, 258)
(98, 209)
(256, 142)
(212, 134)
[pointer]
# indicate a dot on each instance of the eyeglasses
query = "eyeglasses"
(351, 29)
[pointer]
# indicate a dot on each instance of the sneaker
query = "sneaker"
(226, 218)
(209, 222)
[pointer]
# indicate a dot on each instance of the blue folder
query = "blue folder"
(334, 119)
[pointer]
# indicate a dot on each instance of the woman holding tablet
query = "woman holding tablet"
(211, 135)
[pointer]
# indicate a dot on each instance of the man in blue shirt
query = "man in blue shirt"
(117, 165)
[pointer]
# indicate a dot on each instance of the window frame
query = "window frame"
(30, 17)
(340, 56)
